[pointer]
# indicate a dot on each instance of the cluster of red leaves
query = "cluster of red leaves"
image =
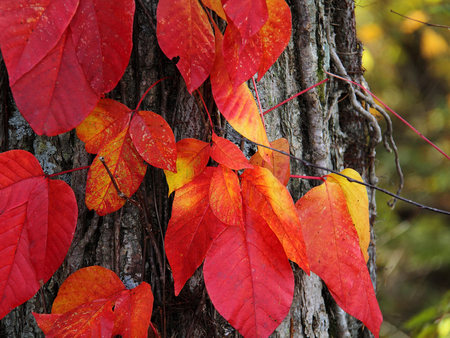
(231, 222)
(62, 56)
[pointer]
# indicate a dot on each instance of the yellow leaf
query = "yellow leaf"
(357, 204)
(410, 26)
(432, 44)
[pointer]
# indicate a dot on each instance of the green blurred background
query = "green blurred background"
(408, 66)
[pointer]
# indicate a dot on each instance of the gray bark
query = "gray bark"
(325, 126)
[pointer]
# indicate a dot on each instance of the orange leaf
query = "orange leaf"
(264, 194)
(280, 165)
(154, 140)
(358, 205)
(103, 124)
(216, 6)
(242, 56)
(247, 15)
(227, 153)
(237, 105)
(275, 34)
(127, 168)
(192, 158)
(335, 255)
(225, 196)
(192, 228)
(183, 30)
(84, 307)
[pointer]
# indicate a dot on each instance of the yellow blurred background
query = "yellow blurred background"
(408, 66)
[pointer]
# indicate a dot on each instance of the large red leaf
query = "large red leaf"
(225, 152)
(242, 56)
(84, 307)
(275, 34)
(249, 278)
(62, 55)
(225, 196)
(191, 229)
(264, 194)
(192, 158)
(334, 253)
(247, 15)
(37, 222)
(183, 30)
(237, 105)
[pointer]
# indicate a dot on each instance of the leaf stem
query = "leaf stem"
(68, 171)
(309, 177)
(146, 92)
(294, 96)
(392, 111)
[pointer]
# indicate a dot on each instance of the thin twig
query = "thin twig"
(422, 22)
(116, 186)
(308, 164)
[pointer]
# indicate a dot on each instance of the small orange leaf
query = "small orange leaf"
(281, 164)
(103, 124)
(192, 228)
(227, 153)
(84, 307)
(335, 255)
(237, 105)
(225, 196)
(264, 194)
(127, 168)
(154, 140)
(192, 158)
(357, 204)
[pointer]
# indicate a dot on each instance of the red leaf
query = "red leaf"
(62, 55)
(84, 307)
(247, 15)
(227, 153)
(335, 255)
(154, 140)
(37, 222)
(237, 105)
(191, 229)
(265, 195)
(225, 196)
(183, 30)
(242, 56)
(250, 288)
(192, 158)
(275, 34)
(280, 164)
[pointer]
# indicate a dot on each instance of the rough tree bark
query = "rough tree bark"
(326, 126)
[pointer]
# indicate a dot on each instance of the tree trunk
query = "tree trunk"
(326, 126)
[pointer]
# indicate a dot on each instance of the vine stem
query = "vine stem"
(68, 171)
(206, 108)
(146, 92)
(259, 103)
(352, 180)
(319, 178)
(392, 111)
(294, 96)
(422, 22)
